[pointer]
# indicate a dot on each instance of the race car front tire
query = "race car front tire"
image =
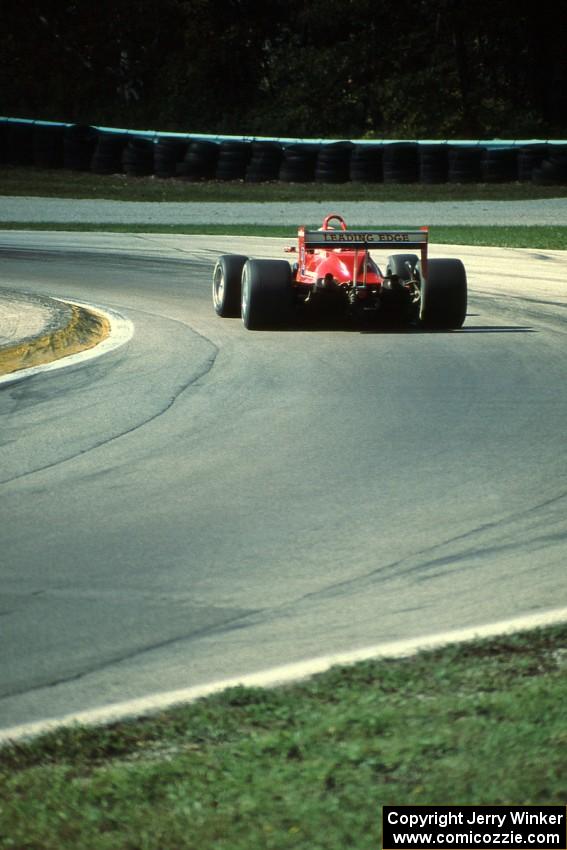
(227, 276)
(443, 295)
(266, 294)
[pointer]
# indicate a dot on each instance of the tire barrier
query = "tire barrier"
(333, 162)
(233, 160)
(530, 157)
(298, 165)
(3, 143)
(433, 163)
(79, 144)
(169, 154)
(465, 164)
(499, 165)
(19, 144)
(553, 169)
(401, 162)
(265, 162)
(107, 158)
(48, 146)
(79, 147)
(138, 157)
(366, 164)
(200, 161)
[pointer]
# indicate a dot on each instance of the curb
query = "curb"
(72, 329)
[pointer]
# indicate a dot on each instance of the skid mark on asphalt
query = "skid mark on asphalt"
(522, 531)
(224, 618)
(25, 386)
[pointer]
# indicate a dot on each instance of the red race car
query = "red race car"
(336, 274)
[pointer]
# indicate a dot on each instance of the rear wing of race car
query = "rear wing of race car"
(365, 240)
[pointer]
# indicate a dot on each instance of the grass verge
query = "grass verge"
(62, 183)
(304, 766)
(523, 236)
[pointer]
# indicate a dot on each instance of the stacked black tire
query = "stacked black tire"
(530, 158)
(233, 159)
(499, 165)
(169, 154)
(107, 158)
(79, 144)
(553, 168)
(366, 164)
(19, 143)
(465, 164)
(333, 162)
(298, 163)
(401, 162)
(3, 141)
(138, 157)
(200, 161)
(433, 163)
(265, 161)
(48, 145)
(85, 148)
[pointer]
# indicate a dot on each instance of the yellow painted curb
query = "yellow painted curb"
(85, 329)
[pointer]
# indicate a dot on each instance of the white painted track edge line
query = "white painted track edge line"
(284, 674)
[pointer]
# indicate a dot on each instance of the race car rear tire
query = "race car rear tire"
(403, 265)
(266, 294)
(443, 295)
(227, 277)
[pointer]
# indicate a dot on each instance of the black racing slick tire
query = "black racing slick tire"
(266, 294)
(227, 277)
(443, 295)
(403, 265)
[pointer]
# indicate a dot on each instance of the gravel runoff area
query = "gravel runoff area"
(25, 316)
(551, 211)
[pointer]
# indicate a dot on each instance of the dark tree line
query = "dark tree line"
(337, 68)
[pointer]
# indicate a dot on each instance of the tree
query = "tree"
(337, 68)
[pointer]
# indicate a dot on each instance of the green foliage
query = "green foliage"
(337, 68)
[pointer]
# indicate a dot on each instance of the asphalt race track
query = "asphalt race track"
(207, 501)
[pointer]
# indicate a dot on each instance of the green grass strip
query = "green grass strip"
(523, 236)
(63, 183)
(304, 766)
